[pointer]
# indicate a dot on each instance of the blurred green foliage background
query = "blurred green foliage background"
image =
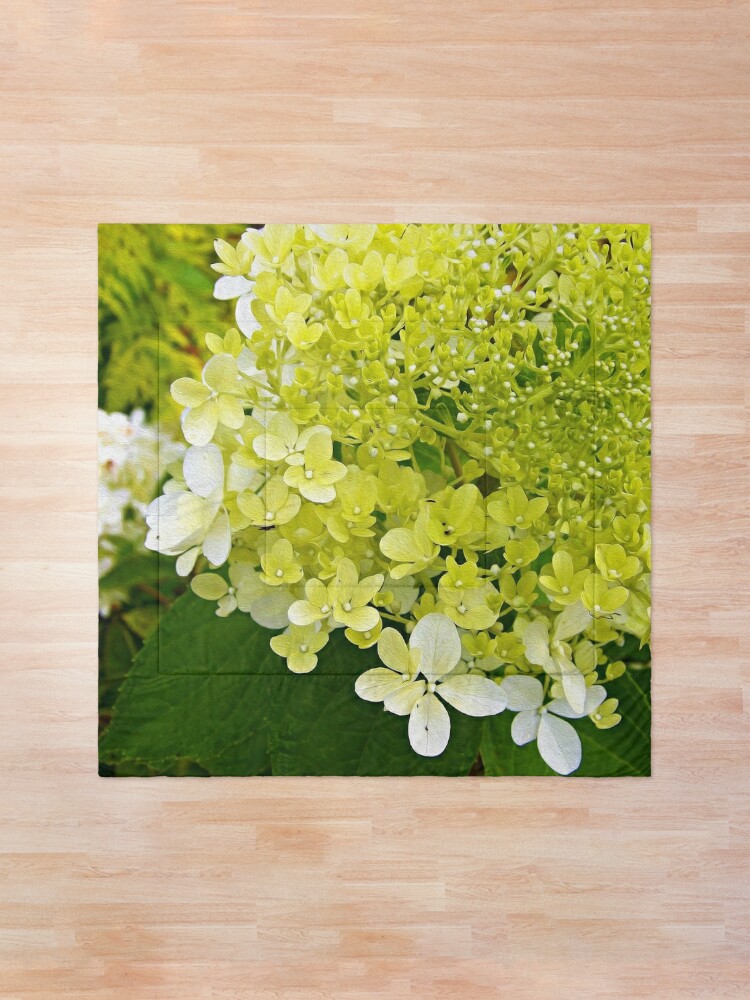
(155, 307)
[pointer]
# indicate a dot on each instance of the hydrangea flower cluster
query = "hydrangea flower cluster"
(432, 433)
(133, 457)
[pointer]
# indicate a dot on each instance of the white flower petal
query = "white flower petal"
(244, 316)
(472, 695)
(186, 562)
(271, 610)
(405, 697)
(231, 411)
(178, 521)
(572, 620)
(189, 392)
(436, 637)
(240, 477)
(303, 613)
(315, 493)
(199, 423)
(221, 373)
(429, 726)
(227, 605)
(536, 644)
(404, 592)
(523, 693)
(209, 586)
(218, 540)
(247, 363)
(376, 684)
(229, 287)
(203, 469)
(524, 727)
(559, 744)
(393, 651)
(574, 685)
(595, 695)
(360, 619)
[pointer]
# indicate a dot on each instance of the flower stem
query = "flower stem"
(452, 453)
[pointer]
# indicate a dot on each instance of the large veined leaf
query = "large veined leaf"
(207, 695)
(211, 692)
(327, 729)
(188, 697)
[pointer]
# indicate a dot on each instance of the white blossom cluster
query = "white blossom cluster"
(133, 458)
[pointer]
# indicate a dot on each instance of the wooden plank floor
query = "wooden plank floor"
(313, 110)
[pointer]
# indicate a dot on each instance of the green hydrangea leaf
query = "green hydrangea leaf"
(210, 693)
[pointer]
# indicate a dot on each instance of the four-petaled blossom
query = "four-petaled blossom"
(514, 509)
(434, 650)
(277, 505)
(553, 654)
(352, 596)
(601, 599)
(244, 591)
(345, 601)
(561, 581)
(411, 549)
(299, 645)
(456, 516)
(280, 568)
(216, 400)
(558, 742)
(315, 477)
(615, 564)
(282, 441)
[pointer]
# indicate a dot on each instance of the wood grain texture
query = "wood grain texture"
(364, 889)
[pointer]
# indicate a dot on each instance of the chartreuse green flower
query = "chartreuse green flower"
(441, 424)
(352, 597)
(456, 515)
(520, 552)
(271, 249)
(230, 343)
(316, 606)
(316, 476)
(605, 715)
(282, 440)
(299, 645)
(434, 650)
(277, 504)
(351, 512)
(560, 580)
(601, 599)
(233, 261)
(467, 598)
(514, 509)
(279, 565)
(615, 564)
(216, 400)
(520, 593)
(363, 640)
(411, 550)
